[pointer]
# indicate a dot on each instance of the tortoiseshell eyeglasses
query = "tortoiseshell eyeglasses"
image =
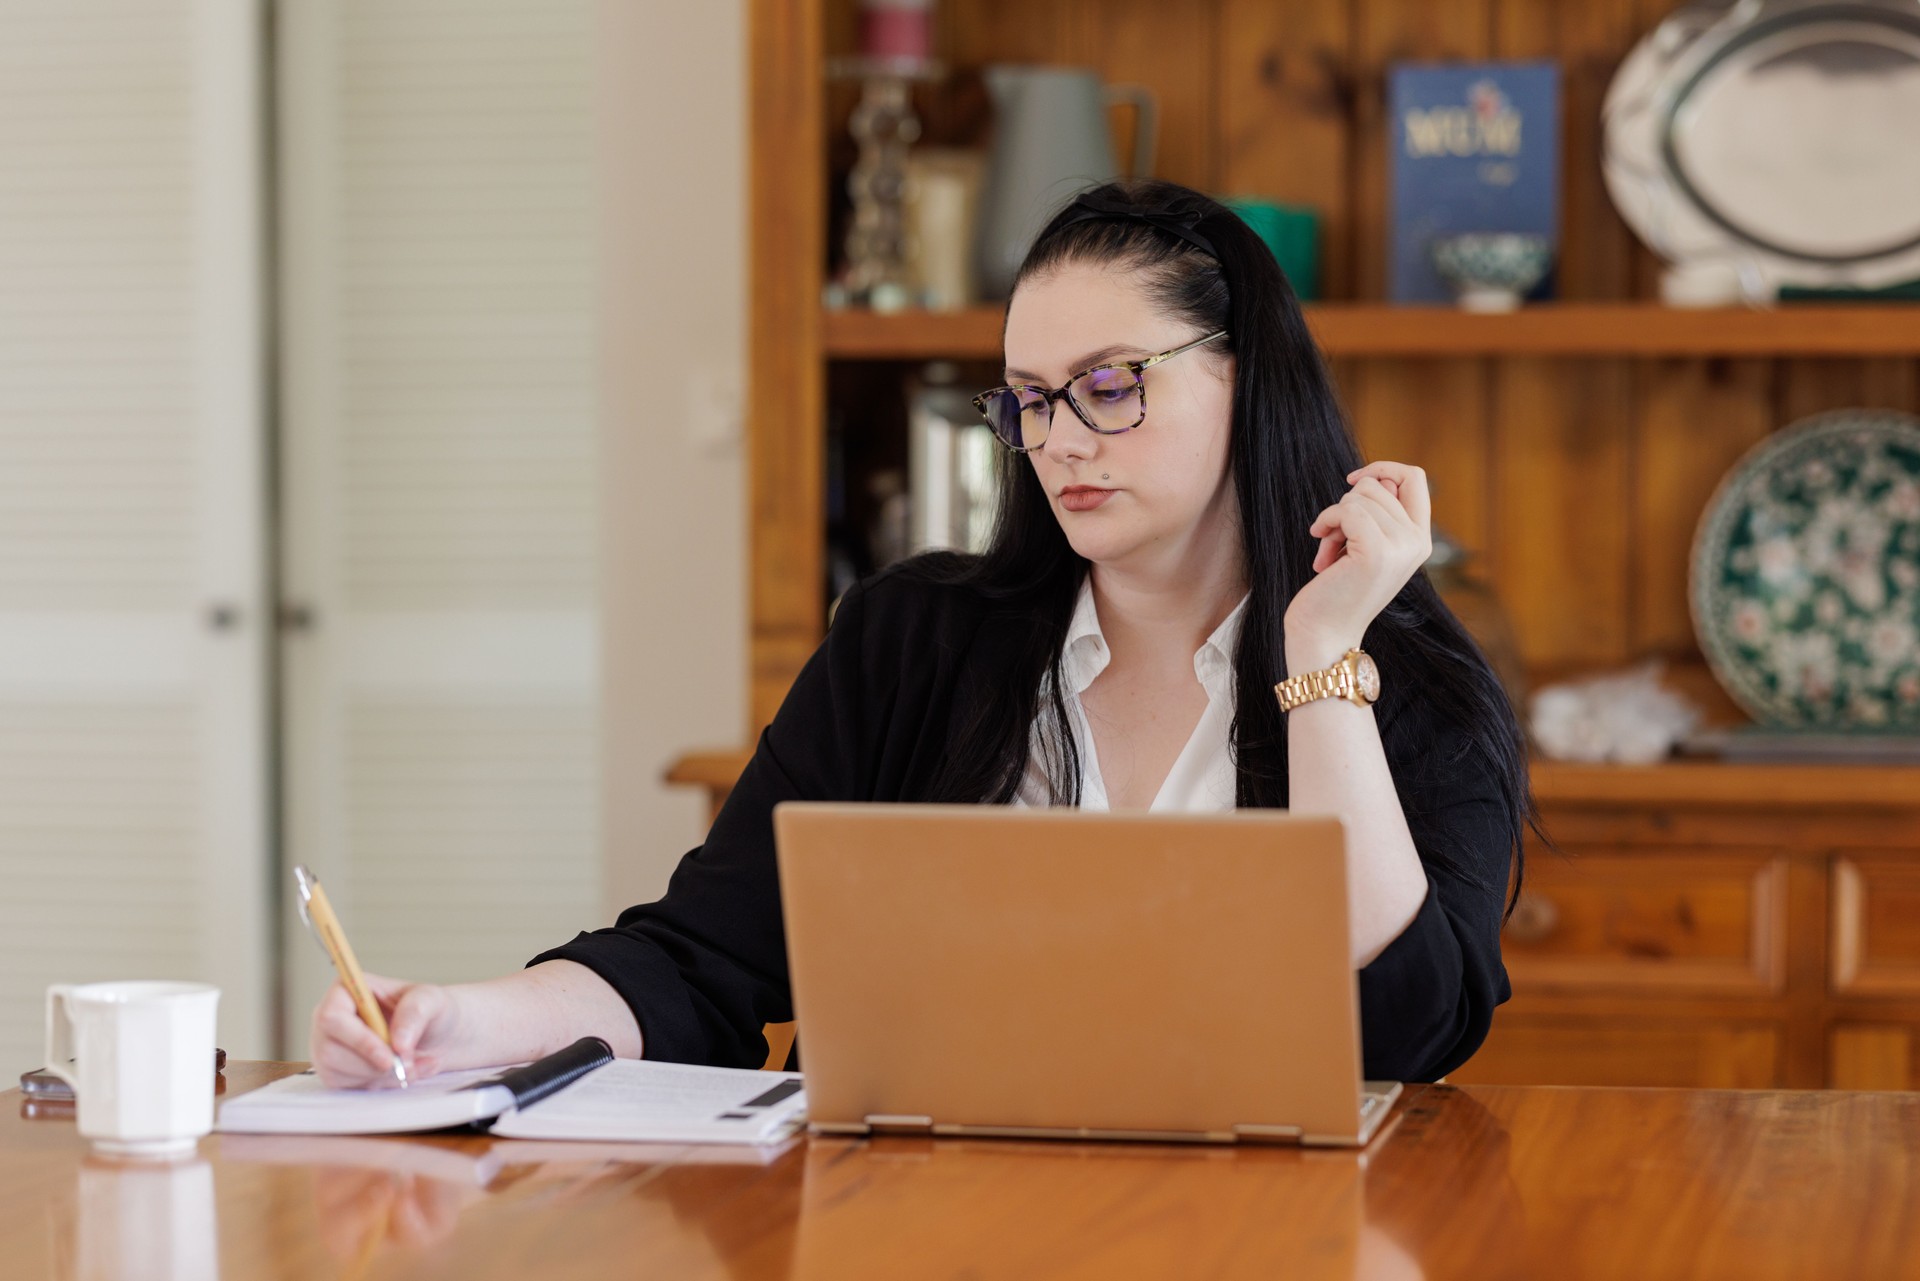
(1109, 398)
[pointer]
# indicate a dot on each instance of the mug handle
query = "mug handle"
(1146, 124)
(60, 1050)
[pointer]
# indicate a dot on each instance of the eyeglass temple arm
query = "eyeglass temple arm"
(1185, 346)
(1151, 361)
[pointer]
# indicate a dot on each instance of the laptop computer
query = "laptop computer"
(991, 970)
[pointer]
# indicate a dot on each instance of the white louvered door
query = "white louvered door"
(438, 478)
(132, 783)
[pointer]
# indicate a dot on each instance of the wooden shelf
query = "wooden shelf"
(1546, 329)
(1692, 782)
(912, 335)
(1708, 782)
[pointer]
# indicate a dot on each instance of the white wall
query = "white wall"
(673, 112)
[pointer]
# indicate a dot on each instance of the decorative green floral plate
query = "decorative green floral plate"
(1805, 578)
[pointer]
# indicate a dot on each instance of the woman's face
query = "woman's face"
(1157, 495)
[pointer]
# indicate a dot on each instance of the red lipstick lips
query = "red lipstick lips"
(1083, 498)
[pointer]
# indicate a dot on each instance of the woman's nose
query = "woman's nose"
(1068, 439)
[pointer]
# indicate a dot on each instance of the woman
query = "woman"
(1184, 524)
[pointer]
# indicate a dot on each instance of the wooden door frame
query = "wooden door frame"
(786, 384)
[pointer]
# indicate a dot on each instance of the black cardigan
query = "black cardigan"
(869, 719)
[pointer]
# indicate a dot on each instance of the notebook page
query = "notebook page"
(637, 1100)
(302, 1105)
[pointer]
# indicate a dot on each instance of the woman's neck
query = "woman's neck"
(1168, 614)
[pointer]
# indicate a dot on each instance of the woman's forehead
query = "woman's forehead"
(1076, 316)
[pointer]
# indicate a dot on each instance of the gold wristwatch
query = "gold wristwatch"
(1354, 678)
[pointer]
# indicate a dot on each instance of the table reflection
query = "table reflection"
(1021, 1208)
(145, 1221)
(407, 1207)
(1478, 1228)
(362, 1210)
(1011, 1207)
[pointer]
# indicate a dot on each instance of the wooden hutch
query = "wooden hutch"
(1714, 924)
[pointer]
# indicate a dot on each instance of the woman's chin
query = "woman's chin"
(1105, 546)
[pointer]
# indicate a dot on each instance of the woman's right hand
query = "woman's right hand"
(510, 1019)
(423, 1017)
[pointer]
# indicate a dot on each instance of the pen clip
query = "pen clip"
(304, 881)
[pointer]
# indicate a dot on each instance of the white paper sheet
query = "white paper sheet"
(637, 1100)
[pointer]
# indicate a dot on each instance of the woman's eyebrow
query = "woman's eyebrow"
(1085, 362)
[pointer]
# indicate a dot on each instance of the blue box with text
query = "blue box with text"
(1474, 147)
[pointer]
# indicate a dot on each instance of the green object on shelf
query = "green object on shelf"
(1292, 232)
(1905, 291)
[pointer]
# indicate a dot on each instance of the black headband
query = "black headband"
(1087, 206)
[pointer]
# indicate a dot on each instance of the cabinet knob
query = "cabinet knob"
(1535, 916)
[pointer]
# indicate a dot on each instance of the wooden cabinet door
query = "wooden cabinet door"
(1650, 920)
(1580, 1049)
(1872, 1056)
(1644, 965)
(1874, 947)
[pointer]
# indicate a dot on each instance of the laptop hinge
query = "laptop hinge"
(881, 1123)
(1268, 1133)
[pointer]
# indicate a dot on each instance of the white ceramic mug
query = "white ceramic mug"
(139, 1057)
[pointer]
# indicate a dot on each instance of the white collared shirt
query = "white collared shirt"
(1202, 777)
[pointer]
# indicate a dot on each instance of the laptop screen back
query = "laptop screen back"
(999, 968)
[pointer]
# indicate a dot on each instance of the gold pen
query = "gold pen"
(318, 914)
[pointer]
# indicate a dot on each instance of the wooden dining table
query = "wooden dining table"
(1463, 1181)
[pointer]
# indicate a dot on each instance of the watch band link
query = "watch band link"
(1308, 687)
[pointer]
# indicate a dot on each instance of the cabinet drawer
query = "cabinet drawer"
(1651, 921)
(1875, 943)
(1585, 1050)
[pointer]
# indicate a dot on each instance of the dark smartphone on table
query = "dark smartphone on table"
(42, 1084)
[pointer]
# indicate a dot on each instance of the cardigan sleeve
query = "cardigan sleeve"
(704, 968)
(1427, 1001)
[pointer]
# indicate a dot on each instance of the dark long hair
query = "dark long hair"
(1290, 453)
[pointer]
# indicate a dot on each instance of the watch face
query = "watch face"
(1368, 678)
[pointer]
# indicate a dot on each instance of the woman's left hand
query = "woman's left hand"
(1371, 542)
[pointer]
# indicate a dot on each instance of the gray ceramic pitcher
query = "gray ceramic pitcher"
(1050, 141)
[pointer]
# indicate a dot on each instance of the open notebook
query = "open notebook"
(581, 1092)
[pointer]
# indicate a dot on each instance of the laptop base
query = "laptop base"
(1376, 1101)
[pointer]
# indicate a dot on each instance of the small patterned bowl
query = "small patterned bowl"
(1491, 270)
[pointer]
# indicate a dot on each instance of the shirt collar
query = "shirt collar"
(1213, 661)
(1085, 654)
